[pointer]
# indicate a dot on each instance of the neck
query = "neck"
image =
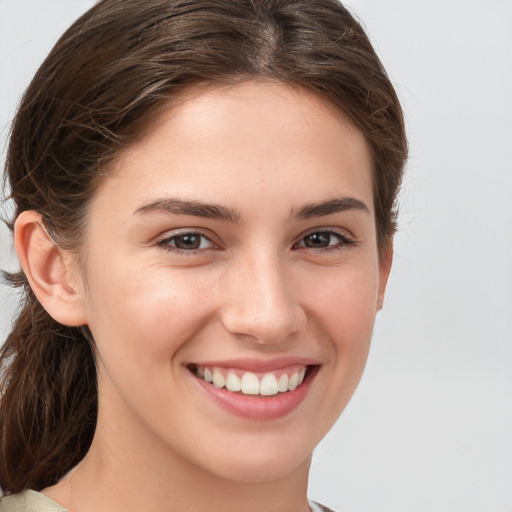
(126, 470)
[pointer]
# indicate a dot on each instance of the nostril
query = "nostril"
(261, 304)
(264, 327)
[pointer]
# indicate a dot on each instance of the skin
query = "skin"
(253, 289)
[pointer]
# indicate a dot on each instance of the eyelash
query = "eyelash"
(166, 243)
(343, 242)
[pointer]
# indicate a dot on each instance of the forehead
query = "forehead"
(245, 140)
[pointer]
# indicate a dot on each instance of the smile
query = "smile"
(253, 383)
(256, 390)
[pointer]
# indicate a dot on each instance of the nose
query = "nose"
(262, 302)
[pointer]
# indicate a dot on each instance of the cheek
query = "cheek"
(345, 302)
(143, 318)
(344, 305)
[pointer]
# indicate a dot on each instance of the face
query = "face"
(233, 281)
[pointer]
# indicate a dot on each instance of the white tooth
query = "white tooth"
(233, 382)
(218, 379)
(283, 383)
(268, 385)
(250, 384)
(293, 380)
(207, 375)
(200, 372)
(301, 376)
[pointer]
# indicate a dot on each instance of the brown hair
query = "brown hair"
(99, 87)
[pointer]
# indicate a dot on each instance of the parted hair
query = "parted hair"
(99, 88)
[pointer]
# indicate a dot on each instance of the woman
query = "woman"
(204, 211)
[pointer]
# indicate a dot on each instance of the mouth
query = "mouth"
(266, 394)
(252, 383)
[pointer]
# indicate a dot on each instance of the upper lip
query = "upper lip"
(259, 365)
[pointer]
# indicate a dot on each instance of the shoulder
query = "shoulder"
(29, 501)
(315, 507)
(32, 501)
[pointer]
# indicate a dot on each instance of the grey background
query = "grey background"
(430, 427)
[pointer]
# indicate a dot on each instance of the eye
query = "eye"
(186, 242)
(324, 239)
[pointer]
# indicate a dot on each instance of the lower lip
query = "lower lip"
(259, 407)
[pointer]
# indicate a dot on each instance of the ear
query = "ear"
(48, 270)
(385, 261)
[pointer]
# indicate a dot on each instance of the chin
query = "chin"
(261, 471)
(258, 457)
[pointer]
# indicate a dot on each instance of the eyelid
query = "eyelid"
(344, 237)
(164, 240)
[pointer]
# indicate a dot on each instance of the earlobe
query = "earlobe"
(47, 268)
(386, 260)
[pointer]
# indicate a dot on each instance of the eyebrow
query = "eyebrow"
(194, 208)
(336, 205)
(214, 211)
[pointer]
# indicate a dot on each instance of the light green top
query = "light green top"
(32, 501)
(29, 501)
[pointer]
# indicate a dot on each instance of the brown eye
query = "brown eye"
(324, 240)
(318, 240)
(186, 242)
